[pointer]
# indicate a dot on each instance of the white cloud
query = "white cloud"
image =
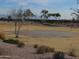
(65, 14)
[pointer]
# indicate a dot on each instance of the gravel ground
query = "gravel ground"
(43, 33)
(9, 51)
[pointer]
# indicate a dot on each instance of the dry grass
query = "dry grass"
(10, 26)
(60, 44)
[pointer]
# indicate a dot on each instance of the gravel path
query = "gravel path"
(41, 33)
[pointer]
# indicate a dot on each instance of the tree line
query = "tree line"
(28, 14)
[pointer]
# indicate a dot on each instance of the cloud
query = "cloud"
(37, 5)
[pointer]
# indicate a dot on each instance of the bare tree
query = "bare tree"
(76, 14)
(17, 15)
(28, 13)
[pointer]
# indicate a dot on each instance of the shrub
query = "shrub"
(11, 41)
(35, 46)
(59, 55)
(20, 44)
(40, 50)
(50, 50)
(2, 36)
(72, 53)
(44, 49)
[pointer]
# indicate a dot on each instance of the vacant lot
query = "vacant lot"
(60, 38)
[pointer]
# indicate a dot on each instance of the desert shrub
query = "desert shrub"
(72, 53)
(35, 46)
(20, 44)
(40, 50)
(44, 49)
(11, 41)
(50, 50)
(59, 55)
(2, 36)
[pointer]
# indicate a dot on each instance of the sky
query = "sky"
(53, 6)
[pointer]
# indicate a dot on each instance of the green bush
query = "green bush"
(11, 41)
(44, 49)
(59, 55)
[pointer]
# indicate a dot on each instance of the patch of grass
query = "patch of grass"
(11, 41)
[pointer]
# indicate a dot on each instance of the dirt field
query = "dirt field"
(60, 43)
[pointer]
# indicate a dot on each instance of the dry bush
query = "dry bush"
(2, 36)
(44, 49)
(20, 44)
(72, 53)
(35, 46)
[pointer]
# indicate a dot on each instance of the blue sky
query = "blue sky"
(53, 6)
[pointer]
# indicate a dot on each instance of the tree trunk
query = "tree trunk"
(18, 29)
(16, 24)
